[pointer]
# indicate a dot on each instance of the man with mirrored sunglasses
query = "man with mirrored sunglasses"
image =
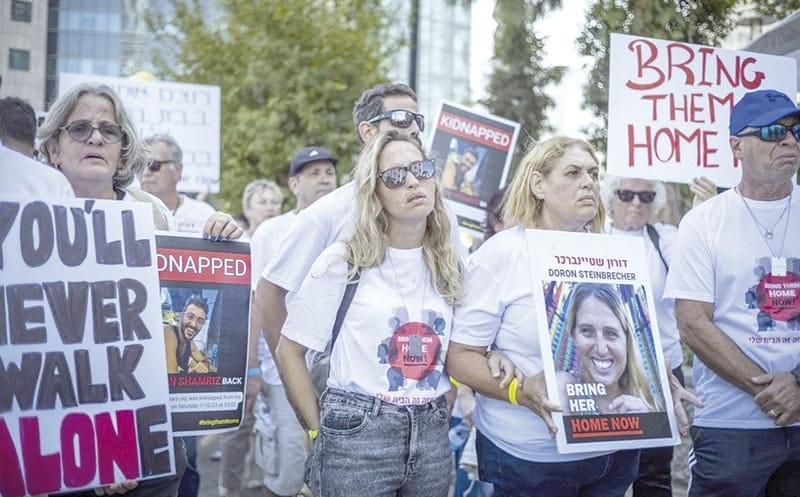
(735, 278)
(160, 178)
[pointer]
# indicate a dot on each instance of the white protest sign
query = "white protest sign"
(596, 314)
(83, 389)
(190, 113)
(669, 106)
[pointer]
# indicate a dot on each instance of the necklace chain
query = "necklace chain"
(767, 234)
(400, 285)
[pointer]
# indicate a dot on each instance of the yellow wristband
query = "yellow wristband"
(312, 434)
(512, 391)
(455, 382)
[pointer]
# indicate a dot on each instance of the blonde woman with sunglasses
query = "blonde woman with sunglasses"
(380, 427)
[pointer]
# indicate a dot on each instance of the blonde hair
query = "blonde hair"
(521, 207)
(366, 247)
(633, 380)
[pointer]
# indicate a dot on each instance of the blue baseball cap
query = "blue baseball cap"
(309, 154)
(760, 108)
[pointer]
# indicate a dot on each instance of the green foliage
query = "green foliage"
(289, 71)
(517, 85)
(693, 21)
(777, 8)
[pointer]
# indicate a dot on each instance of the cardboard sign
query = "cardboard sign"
(189, 113)
(669, 106)
(473, 152)
(83, 396)
(607, 369)
(205, 305)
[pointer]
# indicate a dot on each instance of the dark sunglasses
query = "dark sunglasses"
(396, 177)
(81, 130)
(401, 118)
(774, 132)
(155, 165)
(645, 197)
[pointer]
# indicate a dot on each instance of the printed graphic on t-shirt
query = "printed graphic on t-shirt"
(776, 298)
(413, 350)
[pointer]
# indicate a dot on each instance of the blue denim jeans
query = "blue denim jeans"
(370, 447)
(745, 463)
(603, 476)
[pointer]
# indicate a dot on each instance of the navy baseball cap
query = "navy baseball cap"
(760, 108)
(309, 154)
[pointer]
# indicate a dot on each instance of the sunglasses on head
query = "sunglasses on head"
(645, 197)
(774, 132)
(155, 165)
(401, 118)
(82, 129)
(395, 177)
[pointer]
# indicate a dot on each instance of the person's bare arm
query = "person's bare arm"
(254, 383)
(291, 359)
(713, 346)
(270, 304)
(171, 349)
(469, 365)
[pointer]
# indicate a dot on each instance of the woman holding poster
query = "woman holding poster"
(556, 188)
(609, 377)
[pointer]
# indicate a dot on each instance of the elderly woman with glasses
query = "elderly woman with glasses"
(89, 136)
(382, 421)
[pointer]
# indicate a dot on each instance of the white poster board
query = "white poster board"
(594, 304)
(669, 106)
(83, 390)
(190, 113)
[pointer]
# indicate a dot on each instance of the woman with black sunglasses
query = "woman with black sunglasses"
(380, 428)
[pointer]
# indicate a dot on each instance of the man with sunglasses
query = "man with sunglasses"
(160, 178)
(745, 243)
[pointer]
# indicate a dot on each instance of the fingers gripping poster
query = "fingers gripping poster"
(606, 368)
(83, 391)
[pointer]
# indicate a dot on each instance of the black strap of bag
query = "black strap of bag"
(654, 236)
(349, 291)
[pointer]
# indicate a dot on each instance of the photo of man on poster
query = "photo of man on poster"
(182, 354)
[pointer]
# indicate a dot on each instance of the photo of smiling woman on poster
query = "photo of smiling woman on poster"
(607, 376)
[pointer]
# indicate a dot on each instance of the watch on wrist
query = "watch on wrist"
(796, 374)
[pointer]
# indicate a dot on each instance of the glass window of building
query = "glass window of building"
(21, 11)
(19, 59)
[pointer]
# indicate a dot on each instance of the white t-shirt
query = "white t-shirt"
(191, 215)
(23, 176)
(323, 223)
(394, 338)
(722, 258)
(263, 244)
(665, 308)
(498, 309)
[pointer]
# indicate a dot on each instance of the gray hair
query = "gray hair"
(370, 103)
(257, 186)
(131, 160)
(609, 186)
(174, 149)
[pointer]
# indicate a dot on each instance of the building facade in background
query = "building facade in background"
(23, 43)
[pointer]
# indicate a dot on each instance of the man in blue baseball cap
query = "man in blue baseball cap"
(736, 281)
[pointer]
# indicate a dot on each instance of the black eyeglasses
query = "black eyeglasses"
(395, 177)
(774, 132)
(82, 129)
(645, 197)
(401, 118)
(155, 165)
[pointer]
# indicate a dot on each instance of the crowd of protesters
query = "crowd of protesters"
(362, 272)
